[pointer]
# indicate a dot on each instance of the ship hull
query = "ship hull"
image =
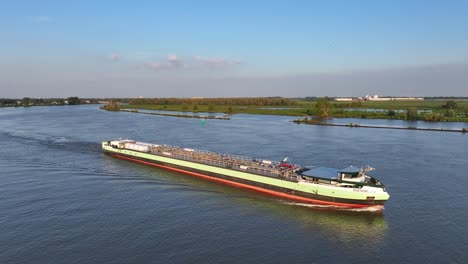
(284, 189)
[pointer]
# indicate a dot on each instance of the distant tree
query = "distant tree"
(391, 113)
(73, 100)
(451, 104)
(450, 113)
(195, 107)
(466, 112)
(308, 112)
(215, 101)
(429, 117)
(7, 102)
(412, 113)
(230, 110)
(323, 108)
(436, 117)
(26, 101)
(111, 106)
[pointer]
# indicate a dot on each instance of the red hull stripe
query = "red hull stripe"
(241, 185)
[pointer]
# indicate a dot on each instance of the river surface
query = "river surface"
(63, 201)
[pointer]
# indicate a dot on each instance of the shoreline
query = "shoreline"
(351, 125)
(225, 117)
(299, 121)
(429, 111)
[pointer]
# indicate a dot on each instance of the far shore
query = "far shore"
(426, 110)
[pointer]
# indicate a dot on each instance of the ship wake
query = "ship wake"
(375, 208)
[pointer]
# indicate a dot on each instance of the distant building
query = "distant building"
(344, 99)
(377, 98)
(408, 99)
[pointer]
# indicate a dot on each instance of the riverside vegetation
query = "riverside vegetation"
(453, 110)
(28, 101)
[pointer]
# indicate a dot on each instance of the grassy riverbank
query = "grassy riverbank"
(428, 110)
(229, 109)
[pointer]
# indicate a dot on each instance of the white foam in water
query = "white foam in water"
(375, 208)
(60, 139)
(311, 205)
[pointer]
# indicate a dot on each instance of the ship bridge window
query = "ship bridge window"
(349, 175)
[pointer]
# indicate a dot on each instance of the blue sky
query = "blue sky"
(203, 48)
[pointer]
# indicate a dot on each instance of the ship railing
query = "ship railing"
(237, 157)
(213, 155)
(225, 164)
(226, 161)
(334, 182)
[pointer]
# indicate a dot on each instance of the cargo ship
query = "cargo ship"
(350, 187)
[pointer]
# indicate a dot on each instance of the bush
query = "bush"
(450, 113)
(451, 104)
(412, 114)
(111, 106)
(323, 108)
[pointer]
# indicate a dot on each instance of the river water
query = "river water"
(63, 201)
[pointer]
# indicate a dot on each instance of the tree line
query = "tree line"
(267, 101)
(28, 101)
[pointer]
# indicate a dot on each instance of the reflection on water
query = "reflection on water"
(181, 112)
(398, 123)
(363, 226)
(356, 225)
(377, 110)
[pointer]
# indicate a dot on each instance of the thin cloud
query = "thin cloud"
(155, 66)
(115, 57)
(172, 57)
(174, 62)
(171, 62)
(215, 61)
